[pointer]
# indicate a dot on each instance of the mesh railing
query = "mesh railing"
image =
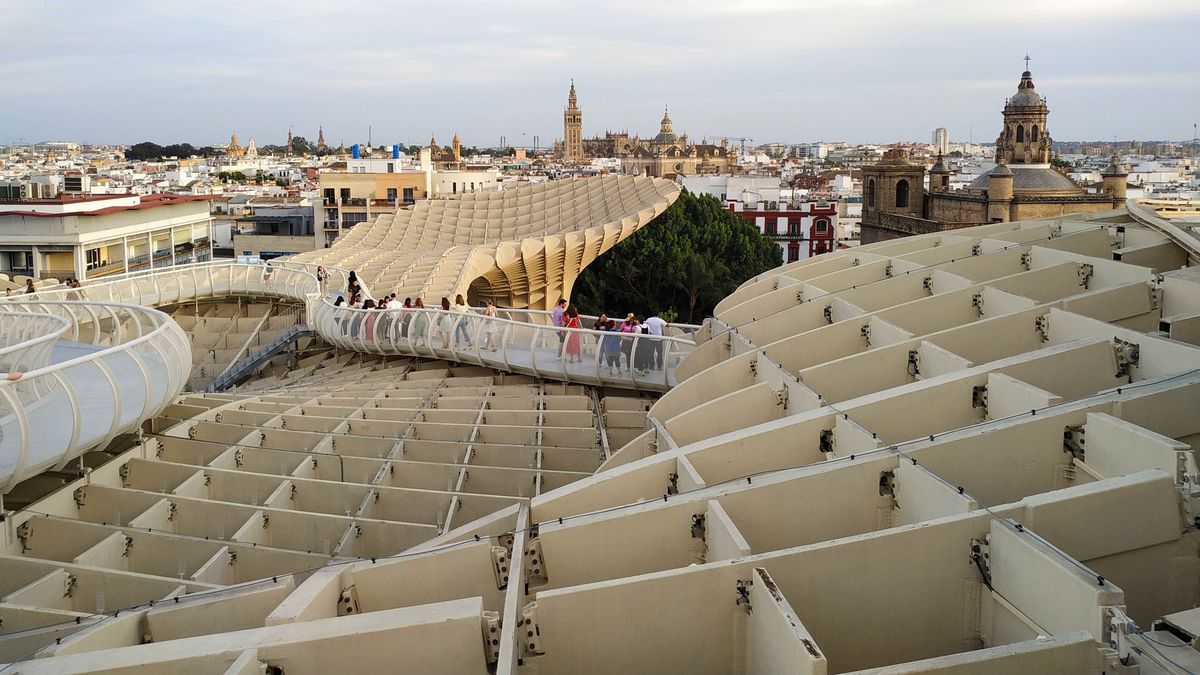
(632, 360)
(121, 365)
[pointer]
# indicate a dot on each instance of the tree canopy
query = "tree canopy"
(685, 260)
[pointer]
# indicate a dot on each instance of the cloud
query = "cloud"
(787, 70)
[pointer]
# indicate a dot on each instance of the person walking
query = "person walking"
(406, 317)
(573, 338)
(29, 287)
(323, 280)
(628, 327)
(445, 322)
(556, 318)
(418, 331)
(656, 327)
(490, 328)
(611, 347)
(461, 333)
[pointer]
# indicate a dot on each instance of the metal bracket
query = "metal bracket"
(1026, 260)
(982, 559)
(266, 520)
(743, 594)
(828, 311)
(535, 562)
(529, 635)
(292, 492)
(699, 530)
(348, 601)
(781, 397)
(1085, 274)
(232, 558)
(501, 558)
(673, 483)
(927, 284)
(826, 442)
(128, 547)
(24, 531)
(1042, 325)
(238, 457)
(171, 511)
(123, 472)
(887, 484)
(976, 249)
(914, 362)
(754, 367)
(887, 271)
(977, 303)
(979, 397)
(865, 331)
(71, 585)
(1073, 441)
(80, 496)
(800, 296)
(207, 479)
(1128, 354)
(491, 636)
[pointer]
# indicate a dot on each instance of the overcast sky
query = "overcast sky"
(124, 71)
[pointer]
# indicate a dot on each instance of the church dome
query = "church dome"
(666, 134)
(1031, 180)
(1026, 93)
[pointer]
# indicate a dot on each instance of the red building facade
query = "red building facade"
(801, 230)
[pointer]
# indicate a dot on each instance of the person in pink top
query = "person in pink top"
(629, 326)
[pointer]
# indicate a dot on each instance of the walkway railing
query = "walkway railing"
(119, 365)
(524, 340)
(633, 360)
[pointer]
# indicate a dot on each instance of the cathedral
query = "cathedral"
(666, 155)
(1022, 186)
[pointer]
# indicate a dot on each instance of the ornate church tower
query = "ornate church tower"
(573, 130)
(1025, 138)
(321, 147)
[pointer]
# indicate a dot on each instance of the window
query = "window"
(391, 195)
(1020, 133)
(345, 193)
(794, 226)
(871, 193)
(902, 194)
(1033, 133)
(329, 196)
(391, 167)
(408, 196)
(821, 226)
(93, 257)
(454, 188)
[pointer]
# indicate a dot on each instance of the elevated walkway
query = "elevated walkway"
(123, 363)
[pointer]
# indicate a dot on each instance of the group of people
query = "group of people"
(406, 320)
(647, 356)
(69, 282)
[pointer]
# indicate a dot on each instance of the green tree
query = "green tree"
(685, 260)
(1060, 163)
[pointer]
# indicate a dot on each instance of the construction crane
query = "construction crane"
(740, 139)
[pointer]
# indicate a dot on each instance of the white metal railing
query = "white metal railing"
(27, 340)
(633, 360)
(122, 364)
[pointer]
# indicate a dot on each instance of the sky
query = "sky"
(787, 71)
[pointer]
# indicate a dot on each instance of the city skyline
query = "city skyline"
(772, 71)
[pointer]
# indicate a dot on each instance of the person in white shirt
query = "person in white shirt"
(656, 327)
(394, 303)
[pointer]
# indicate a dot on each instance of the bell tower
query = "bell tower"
(1025, 138)
(573, 129)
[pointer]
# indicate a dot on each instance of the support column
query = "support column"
(125, 254)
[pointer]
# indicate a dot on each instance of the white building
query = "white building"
(87, 236)
(941, 141)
